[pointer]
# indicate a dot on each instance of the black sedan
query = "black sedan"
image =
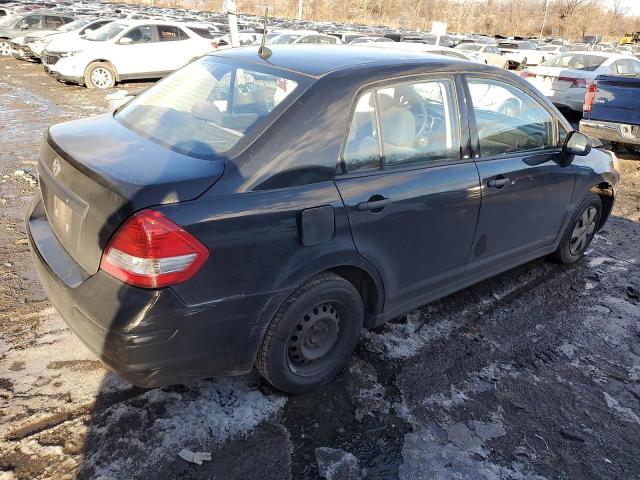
(261, 209)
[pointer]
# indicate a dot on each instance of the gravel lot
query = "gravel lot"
(534, 374)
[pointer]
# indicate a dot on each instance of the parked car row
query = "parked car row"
(565, 78)
(98, 45)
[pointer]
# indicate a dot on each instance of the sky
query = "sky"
(632, 5)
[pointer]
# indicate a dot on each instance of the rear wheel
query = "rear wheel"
(100, 75)
(584, 226)
(5, 48)
(312, 335)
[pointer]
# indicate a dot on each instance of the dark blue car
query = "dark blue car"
(260, 210)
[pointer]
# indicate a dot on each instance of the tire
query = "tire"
(581, 230)
(5, 48)
(100, 75)
(312, 335)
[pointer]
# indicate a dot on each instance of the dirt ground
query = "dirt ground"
(533, 374)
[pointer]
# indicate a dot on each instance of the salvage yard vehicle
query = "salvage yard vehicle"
(521, 54)
(122, 50)
(71, 33)
(21, 24)
(212, 224)
(304, 38)
(564, 79)
(611, 110)
(483, 53)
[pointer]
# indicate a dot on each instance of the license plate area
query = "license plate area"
(65, 211)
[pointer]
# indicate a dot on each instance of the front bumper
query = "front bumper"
(149, 337)
(22, 52)
(611, 131)
(67, 69)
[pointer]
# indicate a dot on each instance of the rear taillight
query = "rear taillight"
(151, 251)
(574, 82)
(526, 74)
(590, 97)
(214, 44)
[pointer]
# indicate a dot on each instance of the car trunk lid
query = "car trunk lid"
(95, 173)
(558, 79)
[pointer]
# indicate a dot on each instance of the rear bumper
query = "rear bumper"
(611, 131)
(149, 337)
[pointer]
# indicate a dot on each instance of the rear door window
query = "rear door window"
(404, 124)
(52, 23)
(509, 120)
(169, 33)
(362, 148)
(419, 122)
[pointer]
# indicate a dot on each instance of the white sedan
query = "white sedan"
(131, 49)
(564, 79)
(483, 53)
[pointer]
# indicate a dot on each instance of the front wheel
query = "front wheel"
(312, 335)
(581, 231)
(100, 75)
(5, 48)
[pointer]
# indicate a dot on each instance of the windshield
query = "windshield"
(284, 38)
(207, 107)
(107, 32)
(584, 62)
(470, 47)
(549, 48)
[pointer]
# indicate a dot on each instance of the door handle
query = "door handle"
(375, 204)
(498, 182)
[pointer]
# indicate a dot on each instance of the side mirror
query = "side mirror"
(576, 143)
(125, 41)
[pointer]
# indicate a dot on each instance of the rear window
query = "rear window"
(201, 32)
(585, 62)
(470, 47)
(206, 108)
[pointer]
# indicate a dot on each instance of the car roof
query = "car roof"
(318, 60)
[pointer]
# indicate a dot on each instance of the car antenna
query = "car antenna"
(264, 52)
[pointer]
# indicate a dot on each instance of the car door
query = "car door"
(411, 192)
(141, 56)
(525, 193)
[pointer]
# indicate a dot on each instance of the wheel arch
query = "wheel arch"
(103, 60)
(371, 292)
(606, 193)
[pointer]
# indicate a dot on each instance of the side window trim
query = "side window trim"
(475, 140)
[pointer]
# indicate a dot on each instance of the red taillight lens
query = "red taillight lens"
(214, 44)
(574, 82)
(590, 97)
(151, 251)
(526, 74)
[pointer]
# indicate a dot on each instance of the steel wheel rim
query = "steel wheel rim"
(4, 49)
(314, 339)
(584, 228)
(101, 77)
